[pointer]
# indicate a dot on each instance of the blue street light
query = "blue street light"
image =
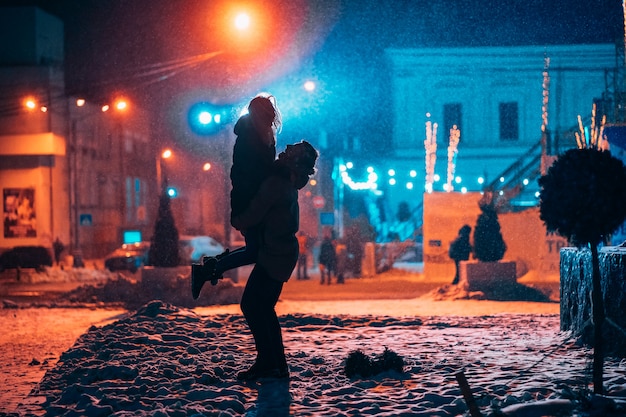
(172, 192)
(205, 118)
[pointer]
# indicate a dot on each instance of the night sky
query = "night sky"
(154, 51)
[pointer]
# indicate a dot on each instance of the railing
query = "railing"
(511, 182)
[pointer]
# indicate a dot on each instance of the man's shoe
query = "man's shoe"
(255, 373)
(201, 273)
(197, 281)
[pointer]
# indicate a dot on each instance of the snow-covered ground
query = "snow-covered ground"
(166, 360)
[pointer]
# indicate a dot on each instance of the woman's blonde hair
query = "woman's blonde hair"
(265, 116)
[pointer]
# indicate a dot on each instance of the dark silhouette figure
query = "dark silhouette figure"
(327, 258)
(253, 157)
(303, 251)
(460, 249)
(275, 211)
(340, 267)
(354, 247)
(58, 247)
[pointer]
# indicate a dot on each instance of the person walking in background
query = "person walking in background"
(253, 157)
(303, 251)
(57, 247)
(327, 257)
(342, 257)
(460, 249)
(275, 211)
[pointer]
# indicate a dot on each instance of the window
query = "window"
(509, 121)
(135, 200)
(452, 115)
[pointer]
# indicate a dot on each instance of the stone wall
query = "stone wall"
(576, 271)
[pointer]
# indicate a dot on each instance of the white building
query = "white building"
(495, 96)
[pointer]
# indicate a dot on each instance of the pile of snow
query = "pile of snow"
(130, 293)
(166, 361)
(55, 274)
(503, 292)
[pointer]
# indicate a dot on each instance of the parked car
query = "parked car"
(193, 248)
(25, 257)
(132, 256)
(129, 257)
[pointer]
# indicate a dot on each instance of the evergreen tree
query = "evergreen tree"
(404, 212)
(488, 243)
(164, 242)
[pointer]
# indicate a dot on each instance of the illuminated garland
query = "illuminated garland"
(596, 137)
(455, 135)
(430, 144)
(546, 94)
(370, 184)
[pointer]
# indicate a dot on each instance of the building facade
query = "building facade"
(494, 95)
(68, 169)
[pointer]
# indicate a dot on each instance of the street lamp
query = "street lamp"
(242, 21)
(162, 180)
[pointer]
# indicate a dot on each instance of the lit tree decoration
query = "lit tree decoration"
(546, 94)
(431, 153)
(545, 86)
(455, 136)
(596, 137)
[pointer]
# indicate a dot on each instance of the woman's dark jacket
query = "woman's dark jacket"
(252, 164)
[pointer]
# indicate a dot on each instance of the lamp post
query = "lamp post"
(162, 179)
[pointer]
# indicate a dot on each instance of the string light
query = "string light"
(430, 144)
(455, 135)
(594, 137)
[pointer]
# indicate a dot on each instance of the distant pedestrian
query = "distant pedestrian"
(58, 247)
(327, 258)
(340, 267)
(303, 252)
(460, 249)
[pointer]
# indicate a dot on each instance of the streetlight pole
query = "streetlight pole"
(162, 179)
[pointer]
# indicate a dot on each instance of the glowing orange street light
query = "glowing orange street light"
(206, 166)
(30, 103)
(121, 105)
(242, 21)
(161, 171)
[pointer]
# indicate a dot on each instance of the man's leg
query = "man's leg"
(304, 265)
(257, 304)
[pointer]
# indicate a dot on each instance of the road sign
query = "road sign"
(85, 220)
